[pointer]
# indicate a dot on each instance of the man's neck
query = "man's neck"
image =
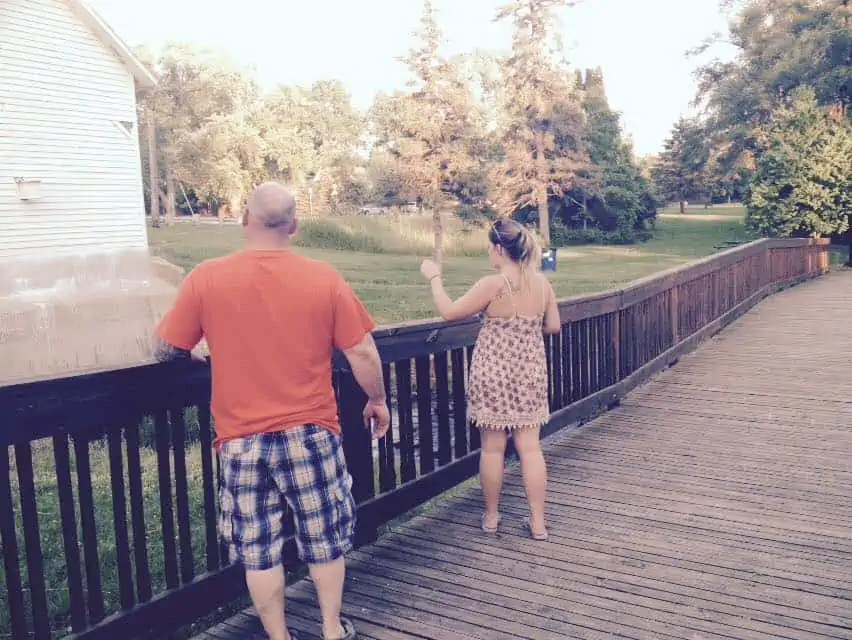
(266, 244)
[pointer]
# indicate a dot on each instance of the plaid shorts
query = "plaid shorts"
(302, 467)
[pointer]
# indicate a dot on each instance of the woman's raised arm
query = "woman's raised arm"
(475, 300)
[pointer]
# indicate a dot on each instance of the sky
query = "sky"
(648, 77)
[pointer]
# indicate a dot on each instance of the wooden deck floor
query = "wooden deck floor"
(715, 502)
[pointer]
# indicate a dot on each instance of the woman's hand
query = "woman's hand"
(430, 270)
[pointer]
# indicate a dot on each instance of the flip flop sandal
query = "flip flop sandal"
(488, 529)
(349, 632)
(542, 535)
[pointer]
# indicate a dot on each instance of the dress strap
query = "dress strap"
(511, 295)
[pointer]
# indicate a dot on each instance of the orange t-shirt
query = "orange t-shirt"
(271, 320)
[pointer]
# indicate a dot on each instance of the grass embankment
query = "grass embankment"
(381, 257)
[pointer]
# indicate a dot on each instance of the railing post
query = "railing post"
(674, 310)
(616, 342)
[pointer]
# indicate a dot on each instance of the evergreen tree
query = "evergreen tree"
(431, 131)
(621, 199)
(780, 45)
(680, 173)
(542, 124)
(803, 182)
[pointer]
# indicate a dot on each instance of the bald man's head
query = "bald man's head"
(273, 207)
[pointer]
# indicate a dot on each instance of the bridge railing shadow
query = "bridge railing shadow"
(108, 507)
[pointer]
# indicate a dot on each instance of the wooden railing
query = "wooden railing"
(107, 481)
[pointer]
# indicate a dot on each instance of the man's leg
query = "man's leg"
(328, 579)
(251, 511)
(267, 595)
(317, 487)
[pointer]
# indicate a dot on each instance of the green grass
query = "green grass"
(385, 271)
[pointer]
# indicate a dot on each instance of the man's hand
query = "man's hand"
(165, 352)
(378, 412)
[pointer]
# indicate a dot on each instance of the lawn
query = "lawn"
(386, 271)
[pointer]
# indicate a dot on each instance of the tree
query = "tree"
(222, 158)
(680, 172)
(542, 123)
(218, 135)
(430, 130)
(780, 45)
(311, 137)
(201, 99)
(617, 196)
(803, 182)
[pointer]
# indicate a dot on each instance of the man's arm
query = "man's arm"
(180, 330)
(352, 327)
(367, 369)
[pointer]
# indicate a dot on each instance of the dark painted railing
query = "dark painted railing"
(107, 481)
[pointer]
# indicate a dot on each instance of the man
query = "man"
(271, 319)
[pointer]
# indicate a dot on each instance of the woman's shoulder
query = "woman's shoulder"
(492, 281)
(542, 279)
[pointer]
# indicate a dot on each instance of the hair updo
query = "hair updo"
(516, 240)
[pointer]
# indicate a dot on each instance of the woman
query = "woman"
(507, 390)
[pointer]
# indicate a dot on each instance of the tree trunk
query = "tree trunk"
(235, 203)
(849, 239)
(438, 227)
(153, 174)
(541, 188)
(682, 207)
(170, 202)
(544, 219)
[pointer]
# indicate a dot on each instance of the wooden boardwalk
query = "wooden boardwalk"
(715, 502)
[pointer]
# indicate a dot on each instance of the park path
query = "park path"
(714, 502)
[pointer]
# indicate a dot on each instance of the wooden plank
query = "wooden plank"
(94, 590)
(425, 443)
(137, 513)
(205, 436)
(714, 502)
(70, 542)
(442, 385)
(164, 484)
(119, 510)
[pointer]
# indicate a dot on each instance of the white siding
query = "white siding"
(62, 93)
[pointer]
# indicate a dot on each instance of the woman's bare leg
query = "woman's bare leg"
(534, 472)
(491, 472)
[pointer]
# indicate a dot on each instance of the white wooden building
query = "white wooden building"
(78, 291)
(70, 170)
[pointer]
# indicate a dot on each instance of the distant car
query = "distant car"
(369, 210)
(411, 207)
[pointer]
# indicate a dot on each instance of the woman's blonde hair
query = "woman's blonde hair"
(518, 242)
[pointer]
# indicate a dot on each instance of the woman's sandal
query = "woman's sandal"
(535, 535)
(488, 529)
(349, 632)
